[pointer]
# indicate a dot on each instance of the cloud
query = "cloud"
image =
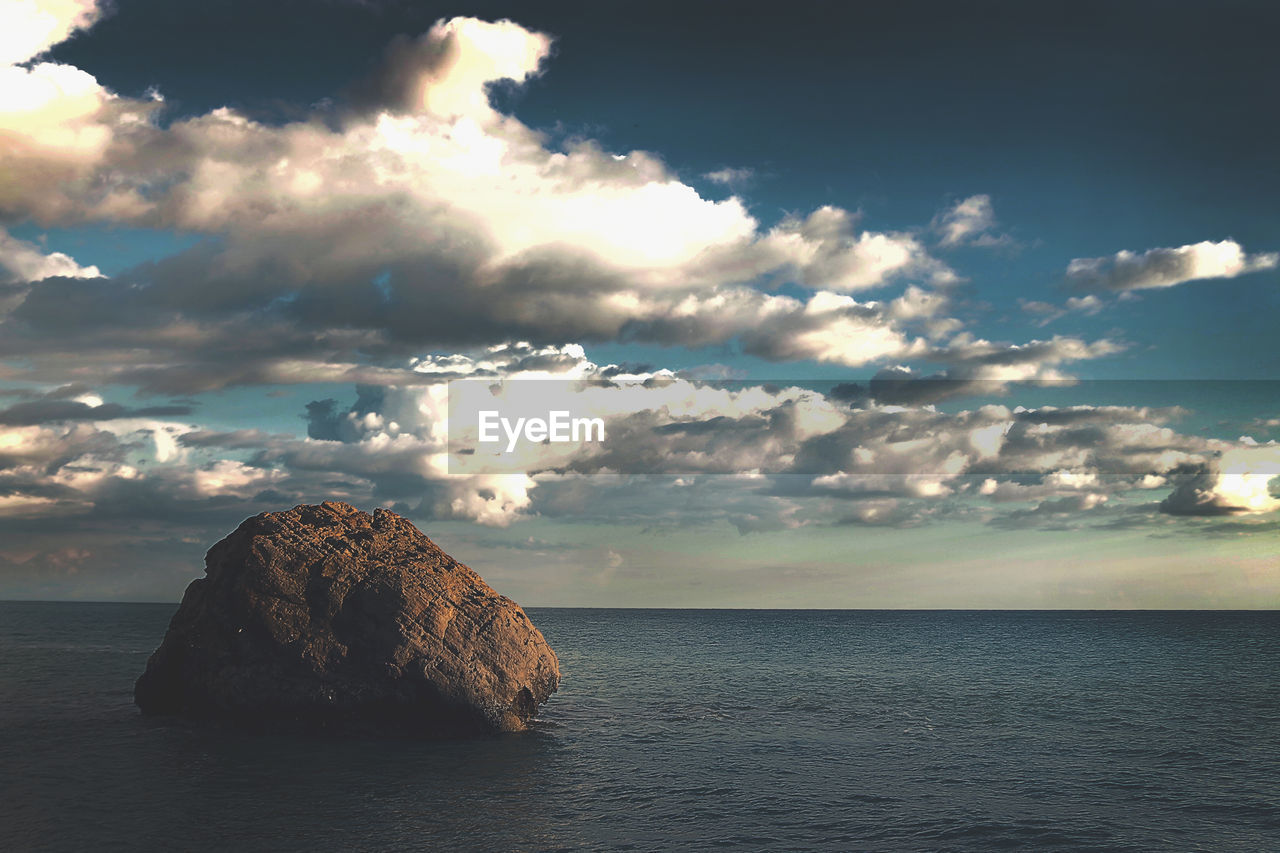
(1037, 360)
(420, 218)
(1046, 312)
(969, 223)
(133, 330)
(51, 411)
(239, 439)
(1066, 513)
(33, 26)
(1156, 268)
(1233, 482)
(424, 219)
(22, 262)
(390, 445)
(58, 126)
(783, 456)
(419, 234)
(825, 250)
(446, 71)
(978, 366)
(731, 177)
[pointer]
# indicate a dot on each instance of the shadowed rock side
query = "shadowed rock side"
(326, 615)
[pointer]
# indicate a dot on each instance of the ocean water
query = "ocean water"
(691, 730)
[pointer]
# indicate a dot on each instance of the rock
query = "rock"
(328, 616)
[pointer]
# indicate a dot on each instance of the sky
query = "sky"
(894, 305)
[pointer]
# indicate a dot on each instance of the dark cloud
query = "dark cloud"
(324, 420)
(1195, 493)
(1071, 512)
(53, 411)
(240, 439)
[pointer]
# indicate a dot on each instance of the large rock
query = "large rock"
(325, 615)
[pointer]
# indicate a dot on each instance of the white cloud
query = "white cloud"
(57, 124)
(33, 26)
(970, 223)
(21, 262)
(1088, 305)
(1156, 268)
(478, 231)
(730, 177)
(446, 70)
(825, 250)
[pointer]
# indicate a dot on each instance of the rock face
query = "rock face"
(328, 616)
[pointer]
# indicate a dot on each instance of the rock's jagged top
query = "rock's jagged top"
(328, 615)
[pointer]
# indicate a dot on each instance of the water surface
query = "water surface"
(747, 730)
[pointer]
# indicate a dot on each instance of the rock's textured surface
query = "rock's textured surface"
(326, 615)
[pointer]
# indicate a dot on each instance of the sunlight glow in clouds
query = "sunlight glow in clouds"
(33, 26)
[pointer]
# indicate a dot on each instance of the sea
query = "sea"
(691, 730)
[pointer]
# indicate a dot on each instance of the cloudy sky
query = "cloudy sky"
(924, 305)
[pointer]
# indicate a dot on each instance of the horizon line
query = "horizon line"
(769, 609)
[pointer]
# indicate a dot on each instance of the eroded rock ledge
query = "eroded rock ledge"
(328, 616)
